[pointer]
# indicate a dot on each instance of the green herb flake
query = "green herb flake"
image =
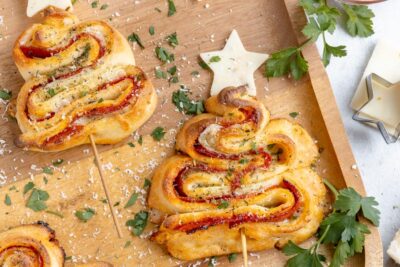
(85, 214)
(172, 70)
(51, 92)
(243, 161)
(223, 205)
(195, 73)
(7, 200)
(184, 104)
(171, 8)
(203, 64)
(127, 244)
(215, 59)
(131, 144)
(293, 114)
(37, 200)
(172, 39)
(95, 4)
(212, 262)
(151, 30)
(160, 74)
(158, 133)
(104, 6)
(163, 54)
(138, 224)
(147, 183)
(132, 200)
(134, 37)
(232, 257)
(47, 170)
(174, 79)
(5, 95)
(140, 140)
(57, 162)
(29, 186)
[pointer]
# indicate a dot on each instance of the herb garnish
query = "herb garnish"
(163, 55)
(322, 19)
(37, 200)
(232, 257)
(85, 214)
(146, 184)
(138, 223)
(203, 64)
(160, 74)
(94, 4)
(293, 114)
(127, 244)
(172, 70)
(28, 187)
(184, 104)
(140, 140)
(223, 205)
(131, 144)
(341, 229)
(172, 39)
(57, 162)
(171, 8)
(55, 213)
(132, 200)
(51, 92)
(158, 133)
(5, 95)
(212, 262)
(7, 200)
(104, 6)
(134, 37)
(151, 30)
(214, 59)
(48, 170)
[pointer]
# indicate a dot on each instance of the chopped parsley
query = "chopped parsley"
(243, 161)
(132, 200)
(184, 104)
(203, 64)
(51, 92)
(160, 74)
(151, 30)
(134, 37)
(55, 213)
(57, 162)
(104, 6)
(172, 39)
(140, 140)
(195, 73)
(147, 183)
(163, 55)
(7, 200)
(223, 205)
(48, 170)
(85, 214)
(172, 70)
(232, 257)
(95, 4)
(29, 186)
(127, 244)
(131, 144)
(215, 59)
(138, 223)
(171, 8)
(174, 79)
(158, 133)
(5, 95)
(37, 200)
(293, 114)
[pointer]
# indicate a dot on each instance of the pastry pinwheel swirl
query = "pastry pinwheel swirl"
(30, 246)
(238, 170)
(80, 81)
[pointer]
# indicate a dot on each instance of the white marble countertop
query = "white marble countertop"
(379, 163)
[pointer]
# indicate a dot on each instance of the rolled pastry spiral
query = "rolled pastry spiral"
(30, 246)
(238, 170)
(80, 81)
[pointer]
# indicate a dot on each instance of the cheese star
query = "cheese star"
(383, 104)
(233, 66)
(35, 6)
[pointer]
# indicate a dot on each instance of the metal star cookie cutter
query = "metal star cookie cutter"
(389, 137)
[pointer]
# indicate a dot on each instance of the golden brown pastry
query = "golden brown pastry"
(80, 81)
(239, 170)
(30, 246)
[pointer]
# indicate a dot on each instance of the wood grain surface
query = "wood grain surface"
(264, 26)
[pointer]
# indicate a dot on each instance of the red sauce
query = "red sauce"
(39, 52)
(235, 220)
(61, 136)
(39, 257)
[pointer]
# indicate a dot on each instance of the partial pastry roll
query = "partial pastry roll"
(238, 170)
(80, 81)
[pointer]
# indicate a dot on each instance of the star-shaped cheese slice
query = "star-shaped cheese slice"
(385, 103)
(233, 65)
(35, 6)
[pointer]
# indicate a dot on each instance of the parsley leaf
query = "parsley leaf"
(140, 140)
(171, 8)
(48, 170)
(94, 4)
(57, 162)
(232, 257)
(134, 37)
(214, 59)
(37, 200)
(329, 51)
(160, 74)
(151, 30)
(184, 104)
(7, 200)
(163, 55)
(28, 187)
(172, 39)
(5, 95)
(85, 214)
(287, 61)
(223, 205)
(359, 20)
(158, 133)
(104, 6)
(138, 223)
(293, 114)
(132, 200)
(147, 183)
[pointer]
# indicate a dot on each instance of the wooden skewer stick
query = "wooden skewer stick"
(244, 247)
(97, 158)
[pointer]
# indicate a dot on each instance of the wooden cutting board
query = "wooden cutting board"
(264, 26)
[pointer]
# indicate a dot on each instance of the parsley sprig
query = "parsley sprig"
(340, 229)
(322, 19)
